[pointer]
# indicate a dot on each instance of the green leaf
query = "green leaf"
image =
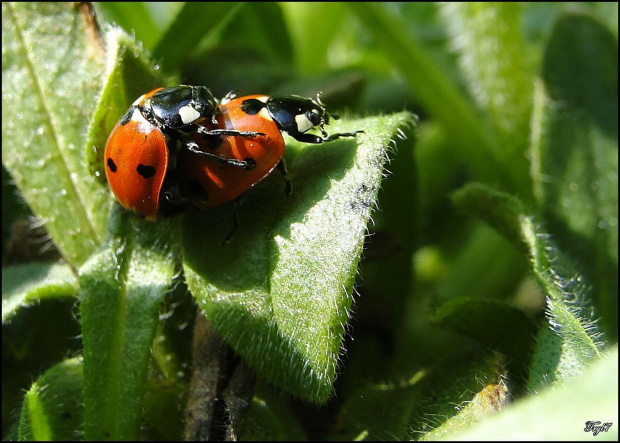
(437, 401)
(491, 395)
(498, 209)
(193, 22)
(52, 408)
(25, 284)
(134, 17)
(304, 19)
(280, 292)
(493, 323)
(130, 73)
(468, 275)
(491, 49)
(434, 89)
(560, 413)
(271, 418)
(567, 291)
(575, 152)
(52, 61)
(123, 287)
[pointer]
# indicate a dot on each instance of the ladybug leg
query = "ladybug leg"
(344, 134)
(311, 138)
(247, 164)
(306, 138)
(211, 132)
(234, 132)
(236, 222)
(285, 177)
(171, 201)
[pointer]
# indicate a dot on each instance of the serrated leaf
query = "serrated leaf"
(122, 290)
(52, 408)
(52, 60)
(280, 292)
(575, 151)
(25, 284)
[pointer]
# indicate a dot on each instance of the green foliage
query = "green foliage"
(52, 406)
(45, 73)
(280, 291)
(480, 266)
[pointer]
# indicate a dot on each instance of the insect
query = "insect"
(141, 151)
(205, 183)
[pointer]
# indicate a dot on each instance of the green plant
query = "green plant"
(456, 315)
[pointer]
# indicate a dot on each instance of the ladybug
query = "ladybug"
(205, 183)
(141, 151)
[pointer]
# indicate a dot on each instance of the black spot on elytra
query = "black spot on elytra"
(112, 165)
(252, 106)
(145, 171)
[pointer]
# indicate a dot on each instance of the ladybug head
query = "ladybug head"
(317, 114)
(297, 115)
(183, 105)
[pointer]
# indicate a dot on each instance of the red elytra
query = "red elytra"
(136, 163)
(206, 183)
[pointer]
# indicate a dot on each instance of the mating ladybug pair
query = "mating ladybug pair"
(178, 146)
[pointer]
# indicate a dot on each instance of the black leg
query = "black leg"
(344, 134)
(287, 180)
(311, 138)
(235, 220)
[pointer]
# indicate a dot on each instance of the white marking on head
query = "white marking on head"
(264, 113)
(188, 114)
(303, 123)
(144, 126)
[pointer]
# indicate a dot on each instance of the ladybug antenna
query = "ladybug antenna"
(318, 98)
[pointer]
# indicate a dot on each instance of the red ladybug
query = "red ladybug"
(205, 183)
(141, 151)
